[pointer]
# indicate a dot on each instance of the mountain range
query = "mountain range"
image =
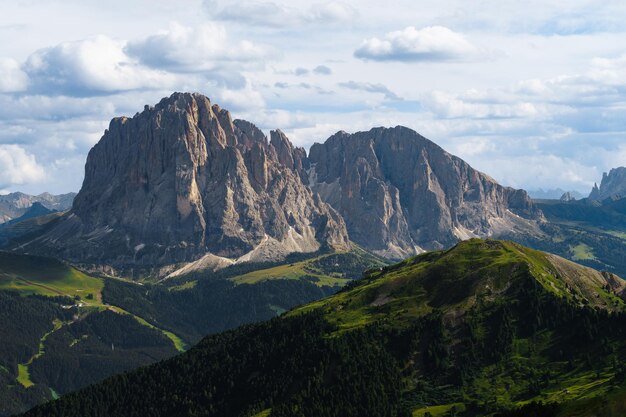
(181, 182)
(553, 194)
(15, 205)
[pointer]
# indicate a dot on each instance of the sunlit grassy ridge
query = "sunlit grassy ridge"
(455, 280)
(334, 270)
(49, 277)
(487, 328)
(470, 280)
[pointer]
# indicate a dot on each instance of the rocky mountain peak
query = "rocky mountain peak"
(613, 185)
(401, 193)
(181, 180)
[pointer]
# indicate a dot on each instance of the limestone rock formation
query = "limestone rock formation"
(613, 185)
(181, 180)
(182, 183)
(400, 193)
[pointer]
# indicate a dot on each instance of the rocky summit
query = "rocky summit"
(181, 182)
(400, 193)
(613, 185)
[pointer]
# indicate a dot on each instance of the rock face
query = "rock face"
(181, 180)
(613, 185)
(400, 193)
(183, 183)
(15, 205)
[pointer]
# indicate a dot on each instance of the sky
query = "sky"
(531, 93)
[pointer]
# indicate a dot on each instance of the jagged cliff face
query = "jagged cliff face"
(400, 193)
(183, 183)
(613, 185)
(181, 180)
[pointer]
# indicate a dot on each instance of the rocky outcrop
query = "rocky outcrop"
(400, 193)
(613, 185)
(182, 183)
(17, 204)
(181, 180)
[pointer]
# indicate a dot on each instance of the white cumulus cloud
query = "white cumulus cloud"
(97, 65)
(193, 49)
(18, 167)
(432, 43)
(12, 78)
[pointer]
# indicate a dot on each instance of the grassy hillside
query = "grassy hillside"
(83, 336)
(585, 231)
(331, 270)
(42, 303)
(487, 328)
(45, 276)
(202, 303)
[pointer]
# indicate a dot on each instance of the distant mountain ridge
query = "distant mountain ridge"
(553, 194)
(16, 204)
(182, 182)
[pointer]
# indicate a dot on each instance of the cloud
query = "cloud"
(92, 66)
(473, 104)
(591, 101)
(245, 99)
(196, 49)
(322, 70)
(16, 108)
(371, 88)
(432, 43)
(12, 78)
(270, 14)
(18, 167)
(300, 71)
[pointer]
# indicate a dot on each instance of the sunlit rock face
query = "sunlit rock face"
(180, 180)
(400, 193)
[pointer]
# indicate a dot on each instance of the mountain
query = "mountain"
(400, 193)
(36, 210)
(484, 328)
(553, 194)
(180, 181)
(613, 185)
(182, 187)
(15, 204)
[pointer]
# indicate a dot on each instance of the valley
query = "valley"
(94, 316)
(518, 330)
